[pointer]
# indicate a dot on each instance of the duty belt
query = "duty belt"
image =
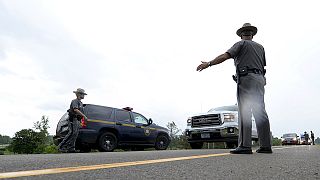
(244, 71)
(255, 71)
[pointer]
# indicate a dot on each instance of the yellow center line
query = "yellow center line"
(100, 166)
(287, 147)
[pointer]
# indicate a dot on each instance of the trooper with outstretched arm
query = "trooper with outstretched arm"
(249, 60)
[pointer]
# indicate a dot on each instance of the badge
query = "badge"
(147, 132)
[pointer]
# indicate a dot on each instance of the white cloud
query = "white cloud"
(144, 54)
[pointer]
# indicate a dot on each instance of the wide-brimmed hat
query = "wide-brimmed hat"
(80, 91)
(247, 27)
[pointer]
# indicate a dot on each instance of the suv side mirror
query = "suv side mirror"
(150, 121)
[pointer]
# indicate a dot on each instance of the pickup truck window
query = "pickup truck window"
(289, 135)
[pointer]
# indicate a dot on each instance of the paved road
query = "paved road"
(290, 162)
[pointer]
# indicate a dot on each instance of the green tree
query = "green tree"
(276, 141)
(173, 129)
(25, 141)
(5, 139)
(182, 142)
(42, 127)
(28, 141)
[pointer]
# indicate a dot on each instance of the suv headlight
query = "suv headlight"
(189, 121)
(228, 117)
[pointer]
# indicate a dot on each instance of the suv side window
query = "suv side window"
(138, 118)
(122, 115)
(98, 112)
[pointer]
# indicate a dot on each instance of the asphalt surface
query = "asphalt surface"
(288, 162)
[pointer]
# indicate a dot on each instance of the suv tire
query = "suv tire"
(197, 145)
(107, 142)
(162, 142)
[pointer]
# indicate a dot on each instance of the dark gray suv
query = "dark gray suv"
(109, 128)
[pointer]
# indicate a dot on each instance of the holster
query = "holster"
(241, 71)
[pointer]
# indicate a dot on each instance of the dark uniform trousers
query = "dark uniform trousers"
(250, 96)
(70, 139)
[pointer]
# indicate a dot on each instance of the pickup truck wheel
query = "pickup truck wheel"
(197, 145)
(107, 142)
(162, 142)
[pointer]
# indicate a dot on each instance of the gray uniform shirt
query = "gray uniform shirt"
(248, 53)
(75, 104)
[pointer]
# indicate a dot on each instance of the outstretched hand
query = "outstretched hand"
(202, 66)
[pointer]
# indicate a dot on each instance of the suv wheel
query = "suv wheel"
(162, 142)
(107, 142)
(197, 145)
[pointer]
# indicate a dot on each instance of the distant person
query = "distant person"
(75, 114)
(306, 138)
(312, 138)
(249, 59)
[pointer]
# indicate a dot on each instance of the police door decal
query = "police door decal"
(147, 131)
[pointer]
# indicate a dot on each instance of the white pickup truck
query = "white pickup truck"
(217, 125)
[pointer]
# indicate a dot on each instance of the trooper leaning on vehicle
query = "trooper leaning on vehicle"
(75, 114)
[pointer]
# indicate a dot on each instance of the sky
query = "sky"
(144, 54)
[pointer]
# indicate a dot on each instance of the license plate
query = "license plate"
(205, 135)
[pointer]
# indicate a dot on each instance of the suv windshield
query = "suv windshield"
(289, 135)
(225, 108)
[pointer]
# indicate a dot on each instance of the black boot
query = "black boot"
(264, 150)
(73, 151)
(63, 150)
(241, 150)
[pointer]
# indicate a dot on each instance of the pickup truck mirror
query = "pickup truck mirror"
(150, 121)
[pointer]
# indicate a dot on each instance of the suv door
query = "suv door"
(125, 126)
(99, 117)
(143, 132)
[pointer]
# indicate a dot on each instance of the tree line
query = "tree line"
(31, 141)
(5, 140)
(37, 140)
